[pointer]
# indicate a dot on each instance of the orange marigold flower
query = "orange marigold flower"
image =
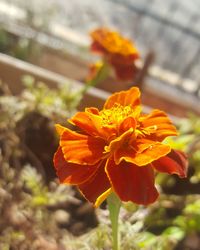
(117, 150)
(120, 52)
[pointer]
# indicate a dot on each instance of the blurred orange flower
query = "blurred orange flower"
(117, 150)
(120, 52)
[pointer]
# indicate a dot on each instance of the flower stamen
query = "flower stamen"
(116, 114)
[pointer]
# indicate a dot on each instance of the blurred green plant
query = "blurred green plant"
(16, 46)
(28, 208)
(57, 104)
(189, 220)
(33, 212)
(62, 101)
(31, 207)
(134, 237)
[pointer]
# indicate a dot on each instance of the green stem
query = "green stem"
(102, 74)
(114, 205)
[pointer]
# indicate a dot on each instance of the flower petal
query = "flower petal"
(140, 158)
(158, 124)
(119, 141)
(121, 60)
(125, 72)
(97, 188)
(60, 129)
(132, 183)
(113, 43)
(127, 123)
(102, 197)
(96, 47)
(84, 122)
(173, 163)
(91, 122)
(130, 97)
(81, 149)
(70, 173)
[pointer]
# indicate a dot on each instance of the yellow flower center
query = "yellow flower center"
(116, 114)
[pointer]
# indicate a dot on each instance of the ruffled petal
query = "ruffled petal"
(97, 188)
(84, 121)
(91, 122)
(130, 97)
(174, 163)
(139, 157)
(132, 183)
(81, 149)
(127, 123)
(158, 124)
(98, 44)
(60, 129)
(70, 173)
(119, 142)
(114, 43)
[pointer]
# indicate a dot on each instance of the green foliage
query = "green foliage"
(133, 237)
(3, 40)
(57, 104)
(24, 206)
(189, 221)
(97, 239)
(190, 125)
(29, 206)
(15, 46)
(61, 102)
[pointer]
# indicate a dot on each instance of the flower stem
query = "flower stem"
(101, 75)
(114, 205)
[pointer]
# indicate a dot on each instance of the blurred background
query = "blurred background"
(168, 31)
(44, 61)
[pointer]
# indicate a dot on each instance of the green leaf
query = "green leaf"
(174, 233)
(147, 240)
